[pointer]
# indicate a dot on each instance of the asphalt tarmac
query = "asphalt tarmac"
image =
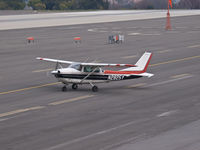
(155, 113)
(46, 19)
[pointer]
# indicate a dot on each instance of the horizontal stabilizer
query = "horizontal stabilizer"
(147, 74)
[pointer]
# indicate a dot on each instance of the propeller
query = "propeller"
(58, 66)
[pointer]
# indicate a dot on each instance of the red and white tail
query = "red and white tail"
(141, 65)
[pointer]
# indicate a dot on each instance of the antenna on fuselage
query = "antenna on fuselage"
(95, 61)
(86, 60)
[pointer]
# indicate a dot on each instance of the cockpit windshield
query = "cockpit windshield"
(75, 66)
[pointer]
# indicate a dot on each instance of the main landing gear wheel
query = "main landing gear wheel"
(94, 88)
(74, 86)
(64, 88)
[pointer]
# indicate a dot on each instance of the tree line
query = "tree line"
(54, 4)
(12, 4)
(95, 4)
(68, 4)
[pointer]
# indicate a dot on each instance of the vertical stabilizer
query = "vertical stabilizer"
(141, 64)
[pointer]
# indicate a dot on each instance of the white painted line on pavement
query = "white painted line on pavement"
(136, 33)
(20, 111)
(168, 81)
(194, 46)
(4, 119)
(70, 100)
(80, 139)
(127, 57)
(123, 142)
(136, 85)
(164, 51)
(168, 113)
(43, 70)
(180, 75)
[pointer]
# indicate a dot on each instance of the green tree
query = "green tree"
(91, 4)
(50, 4)
(3, 5)
(40, 6)
(66, 5)
(16, 4)
(12, 4)
(37, 4)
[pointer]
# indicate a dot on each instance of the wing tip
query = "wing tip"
(146, 52)
(39, 58)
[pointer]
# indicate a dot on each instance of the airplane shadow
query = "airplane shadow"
(102, 89)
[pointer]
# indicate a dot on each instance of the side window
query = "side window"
(90, 69)
(97, 70)
(87, 69)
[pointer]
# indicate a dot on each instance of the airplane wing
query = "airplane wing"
(56, 60)
(86, 64)
(107, 65)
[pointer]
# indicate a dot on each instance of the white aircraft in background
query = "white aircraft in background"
(78, 73)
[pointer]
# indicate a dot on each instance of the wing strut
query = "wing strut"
(88, 75)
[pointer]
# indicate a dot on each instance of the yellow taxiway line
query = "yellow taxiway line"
(43, 70)
(14, 112)
(164, 51)
(29, 88)
(20, 111)
(136, 85)
(180, 75)
(132, 56)
(176, 60)
(70, 100)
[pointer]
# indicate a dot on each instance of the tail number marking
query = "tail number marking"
(116, 77)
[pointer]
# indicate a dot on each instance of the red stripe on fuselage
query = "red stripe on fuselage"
(122, 72)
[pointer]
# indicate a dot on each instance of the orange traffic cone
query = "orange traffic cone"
(168, 23)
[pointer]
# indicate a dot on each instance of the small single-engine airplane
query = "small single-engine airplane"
(90, 73)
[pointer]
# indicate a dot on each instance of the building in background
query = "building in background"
(153, 4)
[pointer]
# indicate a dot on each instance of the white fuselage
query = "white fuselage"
(71, 75)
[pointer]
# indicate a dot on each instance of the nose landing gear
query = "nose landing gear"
(74, 86)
